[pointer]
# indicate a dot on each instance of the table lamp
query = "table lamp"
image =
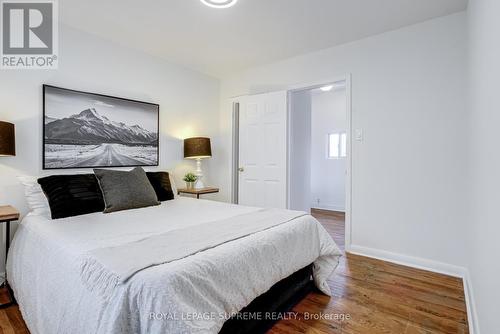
(197, 148)
(7, 139)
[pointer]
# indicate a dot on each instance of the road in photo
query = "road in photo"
(75, 156)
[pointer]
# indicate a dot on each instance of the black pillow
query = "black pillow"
(72, 195)
(161, 184)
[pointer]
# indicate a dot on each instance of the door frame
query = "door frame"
(292, 88)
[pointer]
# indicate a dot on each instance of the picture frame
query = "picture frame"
(90, 130)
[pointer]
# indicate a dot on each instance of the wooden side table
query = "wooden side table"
(197, 192)
(7, 214)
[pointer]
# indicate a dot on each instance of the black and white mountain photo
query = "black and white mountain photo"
(89, 130)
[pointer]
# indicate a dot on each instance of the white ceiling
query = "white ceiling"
(253, 32)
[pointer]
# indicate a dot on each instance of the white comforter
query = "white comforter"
(191, 295)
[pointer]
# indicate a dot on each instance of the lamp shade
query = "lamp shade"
(7, 139)
(197, 148)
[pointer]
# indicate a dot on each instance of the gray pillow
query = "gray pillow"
(123, 190)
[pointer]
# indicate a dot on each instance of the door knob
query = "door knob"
(241, 169)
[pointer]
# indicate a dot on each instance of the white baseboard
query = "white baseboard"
(471, 304)
(429, 265)
(328, 207)
(410, 261)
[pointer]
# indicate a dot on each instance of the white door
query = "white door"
(263, 150)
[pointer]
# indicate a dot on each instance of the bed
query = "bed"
(195, 293)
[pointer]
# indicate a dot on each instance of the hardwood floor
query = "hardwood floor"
(379, 297)
(11, 320)
(372, 296)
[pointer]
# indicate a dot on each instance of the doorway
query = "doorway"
(318, 150)
(272, 158)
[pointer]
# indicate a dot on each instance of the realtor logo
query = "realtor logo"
(29, 34)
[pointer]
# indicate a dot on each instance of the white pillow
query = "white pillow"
(37, 201)
(172, 185)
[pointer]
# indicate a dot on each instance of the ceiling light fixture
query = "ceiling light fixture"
(219, 3)
(326, 88)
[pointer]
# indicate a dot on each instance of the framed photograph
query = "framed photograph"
(86, 130)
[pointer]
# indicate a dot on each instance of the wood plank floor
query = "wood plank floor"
(369, 296)
(379, 297)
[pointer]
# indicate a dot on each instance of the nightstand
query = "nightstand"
(197, 192)
(7, 215)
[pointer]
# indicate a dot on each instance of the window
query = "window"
(337, 145)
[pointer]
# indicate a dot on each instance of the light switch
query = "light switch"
(358, 134)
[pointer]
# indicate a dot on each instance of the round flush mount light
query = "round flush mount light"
(219, 3)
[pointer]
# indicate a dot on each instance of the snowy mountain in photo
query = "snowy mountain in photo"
(49, 120)
(89, 127)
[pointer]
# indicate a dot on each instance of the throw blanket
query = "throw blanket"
(104, 269)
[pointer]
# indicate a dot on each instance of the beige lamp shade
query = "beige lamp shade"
(7, 139)
(197, 148)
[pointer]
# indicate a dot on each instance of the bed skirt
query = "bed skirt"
(282, 297)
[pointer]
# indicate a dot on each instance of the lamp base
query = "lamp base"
(199, 176)
(199, 184)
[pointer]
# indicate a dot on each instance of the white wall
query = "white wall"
(484, 137)
(408, 94)
(300, 150)
(189, 104)
(328, 176)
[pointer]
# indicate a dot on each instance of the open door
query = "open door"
(263, 150)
